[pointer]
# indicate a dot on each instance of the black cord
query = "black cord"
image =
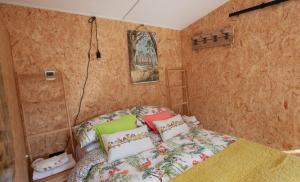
(96, 34)
(98, 53)
(91, 21)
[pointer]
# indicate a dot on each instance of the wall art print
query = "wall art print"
(142, 49)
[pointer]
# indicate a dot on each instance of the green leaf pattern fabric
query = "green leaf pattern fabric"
(84, 132)
(167, 160)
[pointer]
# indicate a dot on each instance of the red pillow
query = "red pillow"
(155, 117)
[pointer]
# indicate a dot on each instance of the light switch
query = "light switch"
(50, 75)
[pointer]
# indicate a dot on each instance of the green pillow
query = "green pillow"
(123, 123)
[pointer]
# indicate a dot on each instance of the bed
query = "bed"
(189, 156)
(167, 160)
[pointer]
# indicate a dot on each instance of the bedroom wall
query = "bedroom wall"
(14, 116)
(44, 39)
(251, 89)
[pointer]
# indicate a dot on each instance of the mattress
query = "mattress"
(166, 161)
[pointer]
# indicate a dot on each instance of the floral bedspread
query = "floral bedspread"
(166, 161)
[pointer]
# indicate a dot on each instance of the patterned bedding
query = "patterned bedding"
(162, 163)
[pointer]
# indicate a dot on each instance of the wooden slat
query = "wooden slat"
(60, 177)
(45, 145)
(177, 86)
(56, 99)
(183, 103)
(183, 86)
(187, 93)
(44, 117)
(58, 76)
(182, 70)
(48, 133)
(168, 86)
(45, 91)
(69, 122)
(50, 96)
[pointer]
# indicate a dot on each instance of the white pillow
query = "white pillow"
(126, 143)
(171, 127)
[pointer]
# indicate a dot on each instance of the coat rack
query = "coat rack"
(223, 37)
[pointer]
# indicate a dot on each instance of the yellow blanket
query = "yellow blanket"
(245, 161)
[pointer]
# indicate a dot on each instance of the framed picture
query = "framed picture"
(142, 51)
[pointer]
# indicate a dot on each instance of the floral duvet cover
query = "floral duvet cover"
(162, 163)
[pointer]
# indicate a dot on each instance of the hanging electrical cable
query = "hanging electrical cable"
(92, 21)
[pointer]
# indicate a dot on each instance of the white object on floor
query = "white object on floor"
(40, 175)
(41, 165)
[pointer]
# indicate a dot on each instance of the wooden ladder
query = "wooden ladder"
(27, 101)
(183, 106)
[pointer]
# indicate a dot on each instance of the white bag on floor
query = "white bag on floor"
(68, 165)
(41, 165)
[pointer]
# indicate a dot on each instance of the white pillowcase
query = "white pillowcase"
(126, 143)
(171, 127)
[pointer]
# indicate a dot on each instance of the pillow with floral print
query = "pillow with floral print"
(85, 133)
(141, 111)
(127, 143)
(171, 127)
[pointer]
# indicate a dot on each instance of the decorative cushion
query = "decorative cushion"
(84, 132)
(171, 127)
(154, 117)
(141, 111)
(127, 143)
(123, 123)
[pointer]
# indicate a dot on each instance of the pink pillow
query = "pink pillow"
(154, 117)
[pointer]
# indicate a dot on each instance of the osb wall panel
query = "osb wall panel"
(44, 39)
(51, 90)
(43, 107)
(251, 89)
(44, 110)
(36, 117)
(48, 144)
(9, 85)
